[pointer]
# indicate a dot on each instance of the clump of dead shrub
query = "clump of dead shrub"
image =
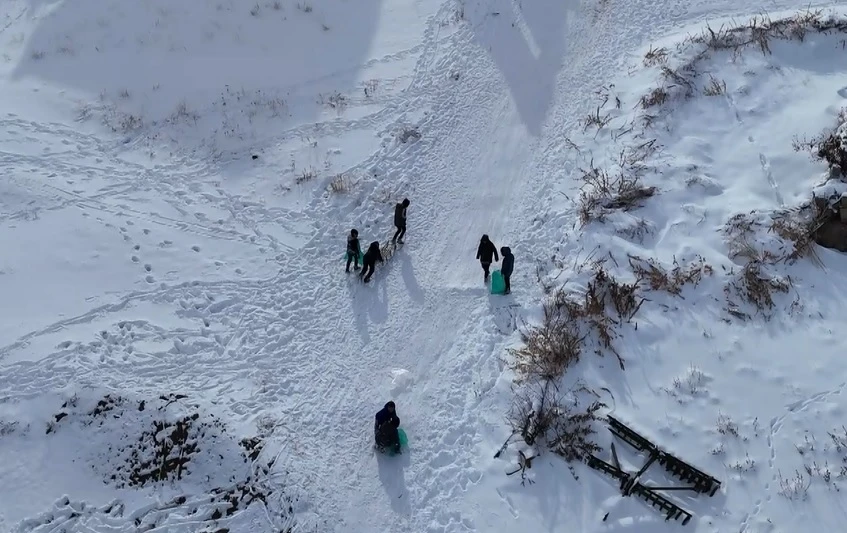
(755, 286)
(570, 320)
(603, 190)
(829, 147)
(561, 422)
(656, 97)
(340, 184)
(795, 229)
(658, 278)
(655, 56)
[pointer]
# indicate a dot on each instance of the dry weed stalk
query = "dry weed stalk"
(541, 414)
(659, 279)
(602, 191)
(551, 348)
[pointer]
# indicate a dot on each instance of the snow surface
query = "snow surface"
(170, 224)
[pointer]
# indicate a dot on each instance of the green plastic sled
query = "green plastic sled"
(347, 254)
(498, 284)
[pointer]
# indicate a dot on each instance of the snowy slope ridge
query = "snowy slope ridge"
(175, 188)
(703, 197)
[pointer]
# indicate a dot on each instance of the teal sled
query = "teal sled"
(498, 284)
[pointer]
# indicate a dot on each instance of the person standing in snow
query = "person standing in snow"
(507, 267)
(485, 252)
(386, 423)
(369, 261)
(400, 220)
(354, 249)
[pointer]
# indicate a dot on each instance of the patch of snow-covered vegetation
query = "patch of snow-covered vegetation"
(182, 350)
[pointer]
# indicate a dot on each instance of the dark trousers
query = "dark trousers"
(508, 284)
(485, 267)
(386, 437)
(401, 231)
(352, 257)
(367, 271)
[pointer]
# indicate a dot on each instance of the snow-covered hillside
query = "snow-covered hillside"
(181, 349)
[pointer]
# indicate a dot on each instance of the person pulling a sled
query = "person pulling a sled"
(400, 220)
(507, 267)
(485, 252)
(385, 429)
(369, 261)
(354, 250)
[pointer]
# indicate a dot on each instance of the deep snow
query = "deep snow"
(146, 252)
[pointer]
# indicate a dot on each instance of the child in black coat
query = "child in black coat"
(354, 250)
(507, 267)
(369, 262)
(485, 252)
(386, 423)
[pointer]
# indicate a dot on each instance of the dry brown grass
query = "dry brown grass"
(570, 320)
(715, 87)
(752, 284)
(603, 190)
(657, 278)
(339, 184)
(540, 414)
(656, 97)
(830, 146)
(595, 119)
(655, 56)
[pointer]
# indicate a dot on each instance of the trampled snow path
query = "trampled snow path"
(424, 332)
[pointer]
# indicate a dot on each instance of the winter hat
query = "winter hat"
(484, 238)
(354, 233)
(405, 202)
(390, 404)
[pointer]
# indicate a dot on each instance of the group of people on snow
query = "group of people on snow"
(374, 254)
(487, 251)
(387, 423)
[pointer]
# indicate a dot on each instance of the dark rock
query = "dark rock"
(832, 234)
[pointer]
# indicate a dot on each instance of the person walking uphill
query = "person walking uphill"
(507, 267)
(485, 252)
(369, 261)
(400, 220)
(386, 423)
(354, 250)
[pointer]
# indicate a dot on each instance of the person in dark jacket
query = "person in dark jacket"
(400, 220)
(354, 249)
(369, 261)
(485, 252)
(386, 423)
(507, 267)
